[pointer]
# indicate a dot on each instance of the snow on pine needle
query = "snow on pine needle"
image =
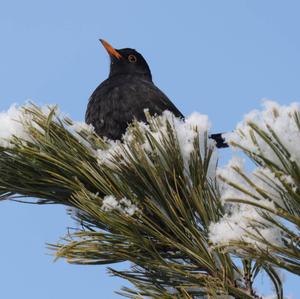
(244, 222)
(259, 185)
(271, 138)
(186, 131)
(14, 123)
(17, 121)
(82, 169)
(123, 205)
(11, 124)
(275, 120)
(80, 126)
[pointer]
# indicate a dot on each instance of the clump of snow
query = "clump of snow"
(194, 126)
(186, 131)
(262, 183)
(11, 125)
(123, 205)
(109, 203)
(278, 118)
(79, 126)
(15, 121)
(105, 156)
(243, 221)
(267, 186)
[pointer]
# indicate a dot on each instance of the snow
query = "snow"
(109, 203)
(280, 119)
(186, 131)
(265, 186)
(11, 125)
(123, 205)
(105, 156)
(245, 223)
(262, 183)
(242, 222)
(79, 126)
(15, 122)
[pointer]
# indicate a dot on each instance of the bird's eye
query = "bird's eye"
(132, 58)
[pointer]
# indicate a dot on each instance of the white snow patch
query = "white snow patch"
(244, 221)
(123, 205)
(106, 156)
(196, 125)
(14, 122)
(280, 119)
(265, 185)
(11, 125)
(79, 126)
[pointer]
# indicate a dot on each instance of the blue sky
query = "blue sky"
(216, 57)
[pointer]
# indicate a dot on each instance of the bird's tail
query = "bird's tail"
(220, 141)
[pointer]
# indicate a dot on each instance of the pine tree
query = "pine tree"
(159, 201)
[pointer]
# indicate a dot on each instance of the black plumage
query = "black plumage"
(127, 92)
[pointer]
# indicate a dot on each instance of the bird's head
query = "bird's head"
(126, 61)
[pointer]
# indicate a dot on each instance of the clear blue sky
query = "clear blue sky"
(216, 57)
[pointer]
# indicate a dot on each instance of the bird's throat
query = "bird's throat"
(133, 76)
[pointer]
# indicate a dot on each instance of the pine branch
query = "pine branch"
(269, 196)
(149, 200)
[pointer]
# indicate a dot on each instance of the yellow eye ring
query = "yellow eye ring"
(132, 58)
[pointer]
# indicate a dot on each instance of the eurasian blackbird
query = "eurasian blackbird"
(125, 95)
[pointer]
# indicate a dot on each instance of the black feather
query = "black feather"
(120, 99)
(125, 95)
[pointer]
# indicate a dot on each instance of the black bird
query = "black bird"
(125, 94)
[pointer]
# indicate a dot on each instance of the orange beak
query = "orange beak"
(110, 50)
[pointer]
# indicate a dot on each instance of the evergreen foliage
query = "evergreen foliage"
(152, 200)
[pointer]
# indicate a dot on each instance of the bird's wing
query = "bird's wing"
(138, 97)
(111, 109)
(103, 112)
